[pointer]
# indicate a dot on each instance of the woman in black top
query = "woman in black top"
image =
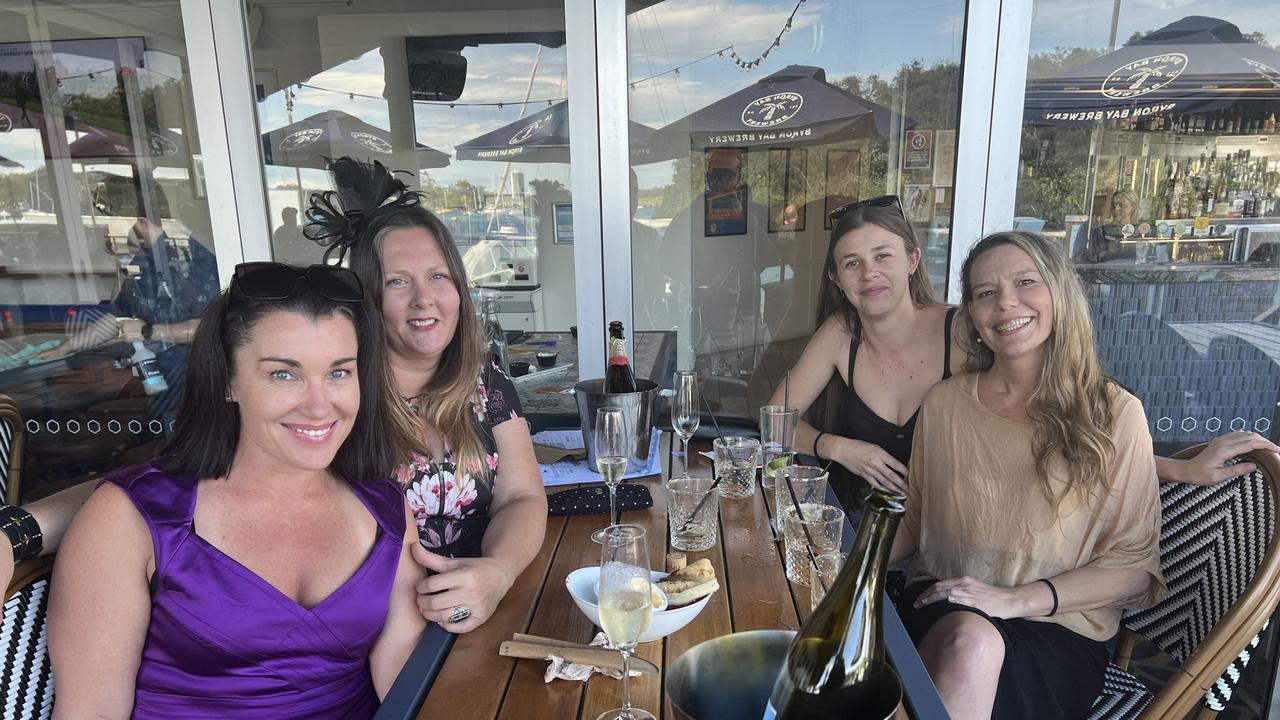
(883, 340)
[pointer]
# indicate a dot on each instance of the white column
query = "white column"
(227, 121)
(997, 38)
(584, 178)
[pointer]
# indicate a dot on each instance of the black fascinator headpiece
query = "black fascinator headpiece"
(337, 219)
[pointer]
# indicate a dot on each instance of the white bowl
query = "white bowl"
(583, 585)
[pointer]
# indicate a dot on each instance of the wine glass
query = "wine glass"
(610, 442)
(684, 411)
(625, 604)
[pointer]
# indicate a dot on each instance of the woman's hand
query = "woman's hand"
(998, 602)
(873, 463)
(1210, 466)
(477, 584)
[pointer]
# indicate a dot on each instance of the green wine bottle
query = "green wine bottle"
(836, 666)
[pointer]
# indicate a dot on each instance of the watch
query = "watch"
(147, 330)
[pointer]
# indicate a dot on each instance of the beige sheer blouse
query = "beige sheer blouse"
(975, 504)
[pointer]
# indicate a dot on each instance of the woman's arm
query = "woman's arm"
(404, 623)
(53, 514)
(1210, 466)
(1085, 588)
(99, 608)
(517, 526)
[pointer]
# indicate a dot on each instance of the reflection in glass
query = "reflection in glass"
(764, 125)
(104, 231)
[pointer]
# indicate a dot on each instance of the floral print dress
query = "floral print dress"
(451, 505)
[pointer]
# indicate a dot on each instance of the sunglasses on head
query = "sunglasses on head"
(277, 281)
(882, 201)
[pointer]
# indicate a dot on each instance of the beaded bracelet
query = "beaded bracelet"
(23, 532)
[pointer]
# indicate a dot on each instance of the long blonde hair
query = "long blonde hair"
(448, 402)
(1071, 408)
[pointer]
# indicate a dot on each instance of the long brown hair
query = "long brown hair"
(446, 403)
(827, 411)
(1071, 407)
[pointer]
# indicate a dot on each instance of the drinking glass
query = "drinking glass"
(735, 465)
(808, 482)
(777, 438)
(611, 444)
(625, 603)
(823, 572)
(809, 528)
(684, 411)
(691, 513)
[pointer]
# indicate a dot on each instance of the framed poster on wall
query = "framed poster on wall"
(725, 198)
(563, 214)
(787, 173)
(842, 171)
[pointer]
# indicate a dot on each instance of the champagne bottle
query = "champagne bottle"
(619, 378)
(836, 666)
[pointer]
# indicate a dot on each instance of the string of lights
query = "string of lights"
(353, 95)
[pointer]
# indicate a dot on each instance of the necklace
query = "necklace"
(410, 403)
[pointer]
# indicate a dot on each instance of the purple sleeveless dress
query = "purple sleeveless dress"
(224, 643)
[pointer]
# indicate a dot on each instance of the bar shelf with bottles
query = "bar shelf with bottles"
(1206, 186)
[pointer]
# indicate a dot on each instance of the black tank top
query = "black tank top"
(862, 423)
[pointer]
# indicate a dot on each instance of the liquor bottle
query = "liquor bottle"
(495, 338)
(619, 378)
(836, 665)
(1270, 125)
(148, 369)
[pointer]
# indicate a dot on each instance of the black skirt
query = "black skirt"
(1049, 672)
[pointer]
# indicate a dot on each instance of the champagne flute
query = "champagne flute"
(684, 411)
(610, 442)
(625, 604)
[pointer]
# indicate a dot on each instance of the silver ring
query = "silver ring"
(459, 614)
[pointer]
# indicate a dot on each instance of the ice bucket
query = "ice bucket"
(729, 677)
(637, 408)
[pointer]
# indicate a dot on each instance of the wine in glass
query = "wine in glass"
(684, 411)
(625, 604)
(611, 444)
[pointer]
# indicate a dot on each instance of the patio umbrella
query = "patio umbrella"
(7, 163)
(1197, 64)
(544, 138)
(795, 106)
(162, 147)
(333, 133)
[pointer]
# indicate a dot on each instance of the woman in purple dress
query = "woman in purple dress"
(260, 567)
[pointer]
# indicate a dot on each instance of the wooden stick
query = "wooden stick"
(599, 657)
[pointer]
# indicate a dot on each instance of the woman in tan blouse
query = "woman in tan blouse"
(1032, 499)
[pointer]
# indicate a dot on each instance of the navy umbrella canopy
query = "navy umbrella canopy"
(333, 134)
(794, 106)
(544, 138)
(1197, 64)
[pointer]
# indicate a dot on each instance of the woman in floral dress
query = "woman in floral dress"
(473, 486)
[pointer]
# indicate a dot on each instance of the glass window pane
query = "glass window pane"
(103, 218)
(1149, 149)
(472, 107)
(751, 121)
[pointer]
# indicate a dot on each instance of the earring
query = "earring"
(228, 397)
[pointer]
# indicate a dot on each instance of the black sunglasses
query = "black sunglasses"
(277, 281)
(881, 201)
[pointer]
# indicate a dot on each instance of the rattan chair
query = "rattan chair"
(26, 675)
(1221, 561)
(11, 437)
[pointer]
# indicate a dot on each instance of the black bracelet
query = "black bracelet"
(23, 532)
(1054, 591)
(815, 444)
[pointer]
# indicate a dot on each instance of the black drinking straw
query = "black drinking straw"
(715, 480)
(791, 490)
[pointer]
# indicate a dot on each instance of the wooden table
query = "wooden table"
(475, 683)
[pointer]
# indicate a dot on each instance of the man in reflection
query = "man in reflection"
(288, 242)
(166, 284)
(1111, 216)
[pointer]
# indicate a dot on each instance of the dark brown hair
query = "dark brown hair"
(204, 440)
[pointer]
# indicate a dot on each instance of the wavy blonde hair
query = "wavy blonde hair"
(447, 403)
(1071, 408)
